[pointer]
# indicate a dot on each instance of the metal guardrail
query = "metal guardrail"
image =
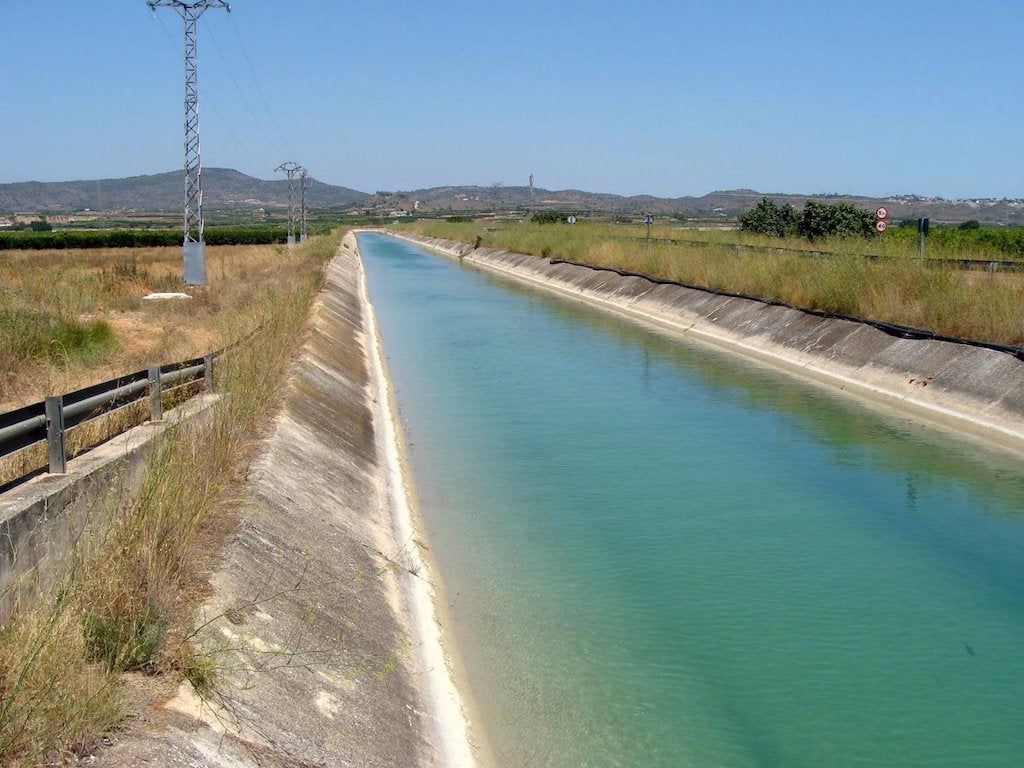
(51, 419)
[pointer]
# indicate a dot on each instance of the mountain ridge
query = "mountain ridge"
(228, 189)
(162, 192)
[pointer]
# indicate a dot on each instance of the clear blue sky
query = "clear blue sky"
(665, 98)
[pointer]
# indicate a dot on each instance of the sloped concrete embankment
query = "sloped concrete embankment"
(321, 620)
(970, 389)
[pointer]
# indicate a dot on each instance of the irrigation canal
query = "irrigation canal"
(656, 554)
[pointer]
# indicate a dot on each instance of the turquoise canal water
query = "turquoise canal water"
(656, 554)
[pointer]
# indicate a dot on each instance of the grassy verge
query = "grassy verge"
(125, 602)
(896, 288)
(72, 318)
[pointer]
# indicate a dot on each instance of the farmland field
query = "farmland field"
(69, 318)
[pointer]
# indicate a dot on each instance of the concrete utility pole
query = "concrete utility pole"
(303, 186)
(194, 267)
(290, 169)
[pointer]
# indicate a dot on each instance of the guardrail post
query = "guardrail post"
(208, 372)
(55, 435)
(156, 404)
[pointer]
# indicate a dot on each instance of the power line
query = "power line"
(227, 125)
(208, 96)
(256, 80)
(277, 147)
(167, 32)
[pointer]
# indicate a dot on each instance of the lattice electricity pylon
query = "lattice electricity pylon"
(303, 186)
(194, 244)
(291, 169)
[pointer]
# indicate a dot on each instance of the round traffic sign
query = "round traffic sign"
(571, 219)
(881, 225)
(882, 212)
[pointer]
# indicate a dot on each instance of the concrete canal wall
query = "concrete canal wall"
(322, 593)
(321, 619)
(971, 389)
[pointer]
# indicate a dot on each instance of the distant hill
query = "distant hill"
(162, 192)
(228, 190)
(724, 205)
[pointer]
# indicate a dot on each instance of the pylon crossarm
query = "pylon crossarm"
(201, 5)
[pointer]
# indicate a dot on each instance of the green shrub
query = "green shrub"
(38, 335)
(550, 217)
(819, 220)
(124, 643)
(815, 221)
(769, 218)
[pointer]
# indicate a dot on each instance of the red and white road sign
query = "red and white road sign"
(881, 225)
(882, 212)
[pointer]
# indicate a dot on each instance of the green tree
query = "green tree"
(838, 220)
(970, 224)
(769, 218)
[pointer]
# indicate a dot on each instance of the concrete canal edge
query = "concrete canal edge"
(322, 607)
(972, 390)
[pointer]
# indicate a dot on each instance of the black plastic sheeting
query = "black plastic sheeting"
(899, 331)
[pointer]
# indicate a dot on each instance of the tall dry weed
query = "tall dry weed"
(123, 603)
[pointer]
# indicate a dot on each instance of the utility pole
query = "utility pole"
(290, 169)
(194, 246)
(303, 186)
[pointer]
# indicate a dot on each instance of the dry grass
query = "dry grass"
(897, 288)
(62, 289)
(124, 603)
